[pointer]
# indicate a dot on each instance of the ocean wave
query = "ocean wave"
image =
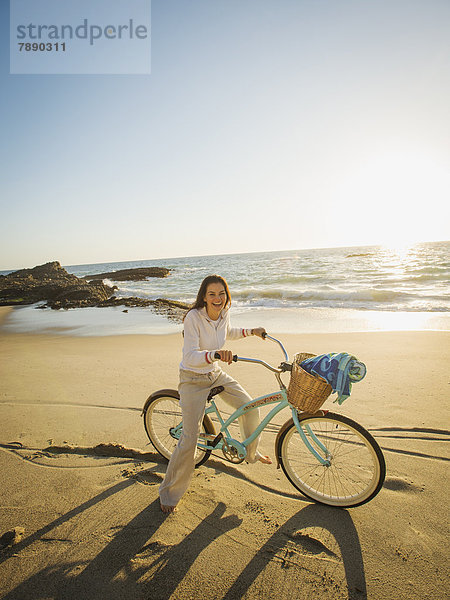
(420, 306)
(372, 294)
(306, 278)
(444, 278)
(442, 270)
(289, 280)
(375, 297)
(370, 298)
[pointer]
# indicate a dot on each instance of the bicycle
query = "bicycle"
(329, 458)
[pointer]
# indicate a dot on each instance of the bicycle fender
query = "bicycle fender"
(288, 424)
(156, 394)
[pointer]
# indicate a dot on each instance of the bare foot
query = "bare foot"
(266, 460)
(167, 509)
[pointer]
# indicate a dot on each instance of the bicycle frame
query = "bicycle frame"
(256, 403)
(279, 398)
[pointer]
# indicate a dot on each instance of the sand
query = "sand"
(80, 478)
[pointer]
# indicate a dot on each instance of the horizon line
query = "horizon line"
(381, 245)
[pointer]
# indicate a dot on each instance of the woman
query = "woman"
(206, 327)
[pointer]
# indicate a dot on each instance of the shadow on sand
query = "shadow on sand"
(134, 564)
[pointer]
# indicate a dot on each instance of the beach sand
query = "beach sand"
(91, 520)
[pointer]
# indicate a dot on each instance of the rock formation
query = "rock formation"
(137, 274)
(52, 284)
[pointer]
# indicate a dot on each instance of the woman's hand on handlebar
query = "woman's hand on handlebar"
(260, 332)
(225, 356)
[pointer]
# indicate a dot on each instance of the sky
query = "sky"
(264, 125)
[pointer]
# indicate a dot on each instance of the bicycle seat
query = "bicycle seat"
(215, 391)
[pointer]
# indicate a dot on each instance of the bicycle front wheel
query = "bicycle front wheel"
(163, 413)
(355, 468)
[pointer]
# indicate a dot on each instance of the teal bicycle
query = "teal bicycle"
(327, 457)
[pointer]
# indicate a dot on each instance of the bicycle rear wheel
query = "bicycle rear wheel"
(161, 414)
(355, 468)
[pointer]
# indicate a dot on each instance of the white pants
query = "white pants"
(194, 389)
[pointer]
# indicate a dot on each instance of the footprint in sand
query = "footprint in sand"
(312, 545)
(397, 484)
(254, 506)
(146, 477)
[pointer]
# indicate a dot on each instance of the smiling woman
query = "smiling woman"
(206, 328)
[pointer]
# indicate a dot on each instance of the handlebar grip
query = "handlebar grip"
(217, 355)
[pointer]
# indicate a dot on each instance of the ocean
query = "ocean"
(323, 290)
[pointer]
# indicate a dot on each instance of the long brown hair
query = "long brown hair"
(200, 301)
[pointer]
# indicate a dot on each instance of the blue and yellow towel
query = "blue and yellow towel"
(339, 369)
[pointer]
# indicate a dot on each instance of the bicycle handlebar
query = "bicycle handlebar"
(266, 335)
(282, 369)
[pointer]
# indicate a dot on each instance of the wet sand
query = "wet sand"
(80, 478)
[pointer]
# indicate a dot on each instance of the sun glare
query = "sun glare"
(402, 196)
(399, 248)
(403, 321)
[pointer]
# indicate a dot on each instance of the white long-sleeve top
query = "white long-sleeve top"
(203, 337)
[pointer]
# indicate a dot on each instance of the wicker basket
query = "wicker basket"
(305, 391)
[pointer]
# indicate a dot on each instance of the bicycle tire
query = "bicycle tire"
(356, 470)
(162, 411)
